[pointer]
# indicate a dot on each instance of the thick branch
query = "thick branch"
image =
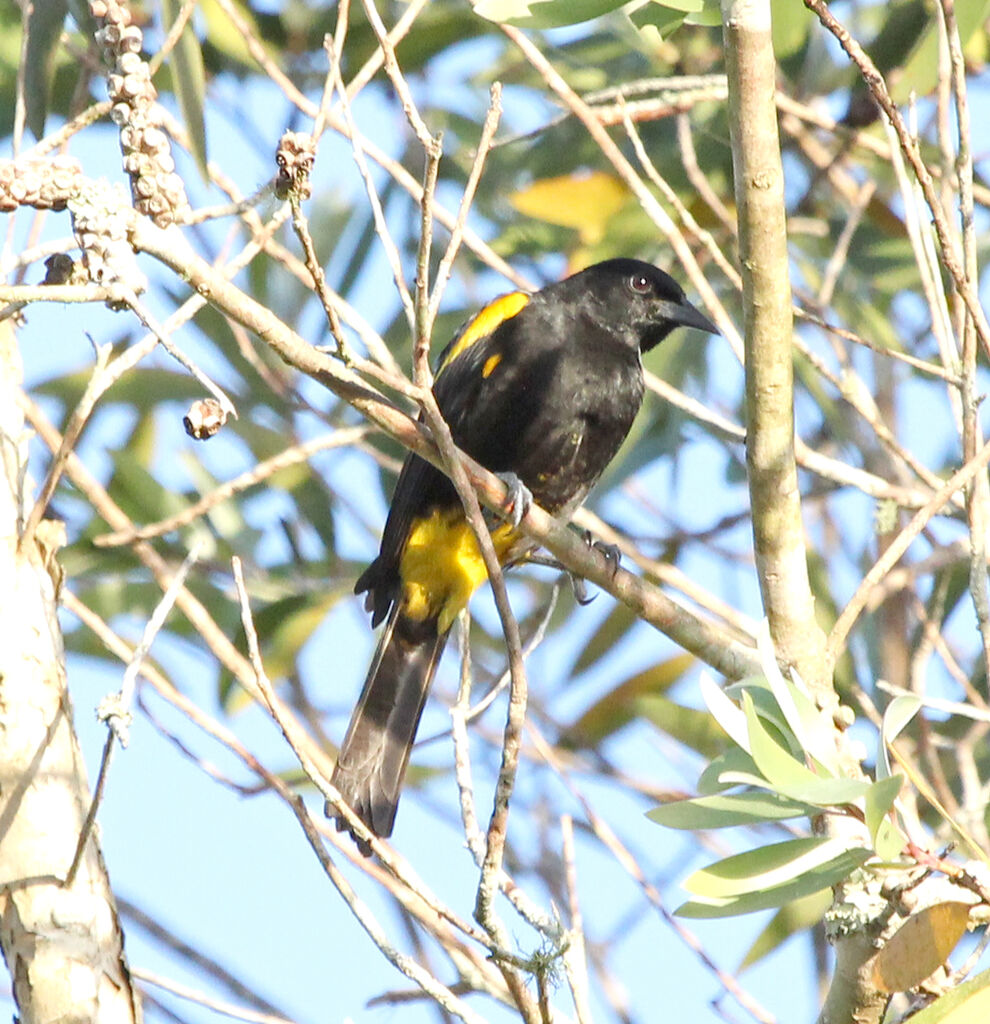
(62, 943)
(773, 485)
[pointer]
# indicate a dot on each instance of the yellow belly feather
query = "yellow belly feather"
(441, 565)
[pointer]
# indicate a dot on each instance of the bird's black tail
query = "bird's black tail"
(373, 757)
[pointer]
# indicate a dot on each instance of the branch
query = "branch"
(778, 531)
(712, 645)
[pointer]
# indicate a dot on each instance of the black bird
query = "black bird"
(542, 389)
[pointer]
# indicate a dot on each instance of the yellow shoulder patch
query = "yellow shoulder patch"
(503, 308)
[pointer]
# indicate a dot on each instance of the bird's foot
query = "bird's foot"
(611, 551)
(612, 554)
(519, 500)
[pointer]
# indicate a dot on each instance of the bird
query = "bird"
(541, 388)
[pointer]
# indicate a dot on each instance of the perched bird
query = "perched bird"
(542, 389)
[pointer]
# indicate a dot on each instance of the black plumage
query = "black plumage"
(544, 387)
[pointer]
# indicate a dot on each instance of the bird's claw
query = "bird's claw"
(611, 551)
(579, 585)
(519, 500)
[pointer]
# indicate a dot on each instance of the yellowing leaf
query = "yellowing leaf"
(619, 706)
(223, 34)
(586, 202)
(920, 946)
(544, 13)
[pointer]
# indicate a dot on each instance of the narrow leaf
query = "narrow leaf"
(619, 706)
(899, 712)
(692, 728)
(713, 778)
(613, 628)
(44, 30)
(777, 683)
(725, 811)
(544, 13)
(765, 867)
(813, 881)
(732, 720)
(879, 800)
(188, 81)
(797, 916)
(788, 776)
(587, 202)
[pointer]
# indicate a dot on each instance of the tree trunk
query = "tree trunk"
(62, 944)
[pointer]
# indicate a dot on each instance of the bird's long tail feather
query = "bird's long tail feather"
(375, 753)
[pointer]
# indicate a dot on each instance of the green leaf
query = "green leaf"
(613, 628)
(221, 32)
(786, 775)
(919, 74)
(188, 81)
(728, 716)
(811, 727)
(766, 867)
(879, 800)
(810, 882)
(899, 712)
(663, 21)
(138, 493)
(791, 25)
(133, 388)
(733, 762)
(692, 728)
(544, 13)
(283, 628)
(793, 918)
(44, 30)
(618, 707)
(750, 808)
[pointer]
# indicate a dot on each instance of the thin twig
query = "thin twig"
(397, 78)
(575, 966)
(627, 861)
(25, 293)
(392, 254)
(488, 130)
(100, 379)
(443, 996)
(423, 324)
(254, 476)
(512, 739)
(878, 88)
(301, 227)
(835, 644)
(186, 11)
(193, 995)
(978, 491)
(144, 315)
(670, 194)
(625, 170)
(115, 711)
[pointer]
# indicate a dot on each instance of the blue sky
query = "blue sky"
(232, 874)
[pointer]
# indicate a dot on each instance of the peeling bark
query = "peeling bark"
(62, 944)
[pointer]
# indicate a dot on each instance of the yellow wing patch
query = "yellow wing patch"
(490, 363)
(441, 566)
(503, 308)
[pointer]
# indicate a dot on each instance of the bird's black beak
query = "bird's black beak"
(686, 315)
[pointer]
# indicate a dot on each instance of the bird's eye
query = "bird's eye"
(640, 284)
